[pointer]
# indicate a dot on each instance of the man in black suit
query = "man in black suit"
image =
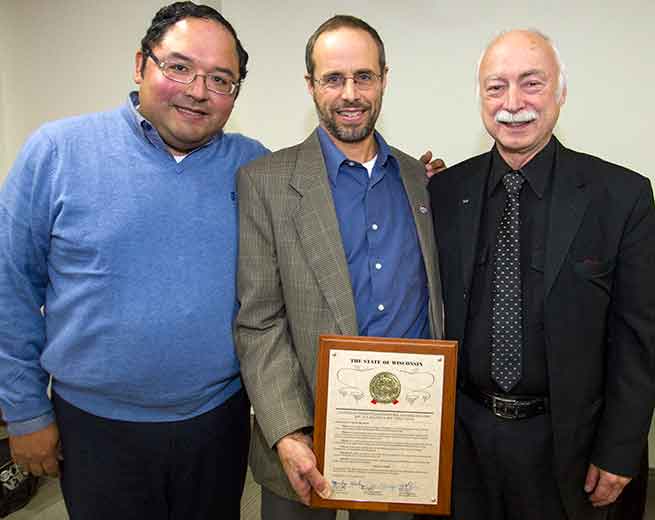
(548, 266)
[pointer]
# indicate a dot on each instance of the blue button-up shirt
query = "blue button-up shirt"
(379, 237)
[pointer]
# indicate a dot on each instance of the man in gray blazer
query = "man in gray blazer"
(335, 238)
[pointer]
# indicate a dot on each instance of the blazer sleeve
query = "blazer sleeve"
(630, 361)
(269, 365)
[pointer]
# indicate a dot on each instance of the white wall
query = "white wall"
(432, 48)
(83, 51)
(66, 57)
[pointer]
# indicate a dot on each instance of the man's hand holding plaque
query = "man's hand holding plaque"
(299, 462)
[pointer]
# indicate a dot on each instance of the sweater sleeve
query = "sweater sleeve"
(25, 216)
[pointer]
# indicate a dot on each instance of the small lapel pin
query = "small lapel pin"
(465, 201)
(423, 209)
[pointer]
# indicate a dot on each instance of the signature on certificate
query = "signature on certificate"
(403, 489)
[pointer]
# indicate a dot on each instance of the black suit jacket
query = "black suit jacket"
(599, 304)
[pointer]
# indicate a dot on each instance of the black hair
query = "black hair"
(171, 14)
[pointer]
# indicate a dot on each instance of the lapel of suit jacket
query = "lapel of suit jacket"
(318, 229)
(415, 182)
(569, 201)
(471, 201)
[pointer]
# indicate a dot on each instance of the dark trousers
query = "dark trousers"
(181, 470)
(503, 468)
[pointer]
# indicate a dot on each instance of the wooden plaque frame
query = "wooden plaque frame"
(448, 349)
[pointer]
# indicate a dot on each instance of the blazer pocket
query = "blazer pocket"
(594, 268)
(598, 273)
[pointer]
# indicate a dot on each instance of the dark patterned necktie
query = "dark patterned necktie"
(506, 304)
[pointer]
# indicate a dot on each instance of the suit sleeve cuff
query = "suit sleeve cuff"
(31, 425)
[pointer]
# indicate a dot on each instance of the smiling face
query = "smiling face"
(188, 116)
(348, 114)
(519, 96)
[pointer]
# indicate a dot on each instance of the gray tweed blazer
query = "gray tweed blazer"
(293, 285)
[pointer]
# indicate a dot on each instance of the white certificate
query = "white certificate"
(383, 426)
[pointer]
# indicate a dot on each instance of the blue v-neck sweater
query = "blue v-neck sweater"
(133, 258)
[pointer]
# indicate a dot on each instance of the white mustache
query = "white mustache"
(522, 116)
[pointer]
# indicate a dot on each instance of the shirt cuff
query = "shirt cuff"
(31, 425)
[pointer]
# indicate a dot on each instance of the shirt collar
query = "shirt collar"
(133, 103)
(536, 171)
(334, 157)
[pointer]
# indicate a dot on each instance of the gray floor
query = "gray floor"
(48, 504)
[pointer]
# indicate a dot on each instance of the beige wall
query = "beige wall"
(432, 48)
(66, 57)
(84, 51)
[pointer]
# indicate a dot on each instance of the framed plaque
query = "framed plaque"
(384, 420)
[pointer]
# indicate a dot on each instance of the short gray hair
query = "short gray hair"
(561, 80)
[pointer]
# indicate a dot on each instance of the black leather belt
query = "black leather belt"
(509, 406)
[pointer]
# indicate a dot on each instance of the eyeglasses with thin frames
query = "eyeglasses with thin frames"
(182, 72)
(363, 80)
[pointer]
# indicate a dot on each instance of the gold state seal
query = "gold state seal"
(384, 387)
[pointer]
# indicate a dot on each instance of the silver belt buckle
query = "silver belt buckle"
(505, 408)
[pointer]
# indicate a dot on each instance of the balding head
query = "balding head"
(562, 77)
(522, 86)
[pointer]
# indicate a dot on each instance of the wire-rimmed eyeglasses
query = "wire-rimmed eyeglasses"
(182, 72)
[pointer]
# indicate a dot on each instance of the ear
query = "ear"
(310, 84)
(139, 60)
(384, 77)
(562, 97)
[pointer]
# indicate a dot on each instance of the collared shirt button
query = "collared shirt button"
(378, 266)
(380, 307)
(374, 227)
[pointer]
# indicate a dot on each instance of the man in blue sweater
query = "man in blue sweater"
(117, 279)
